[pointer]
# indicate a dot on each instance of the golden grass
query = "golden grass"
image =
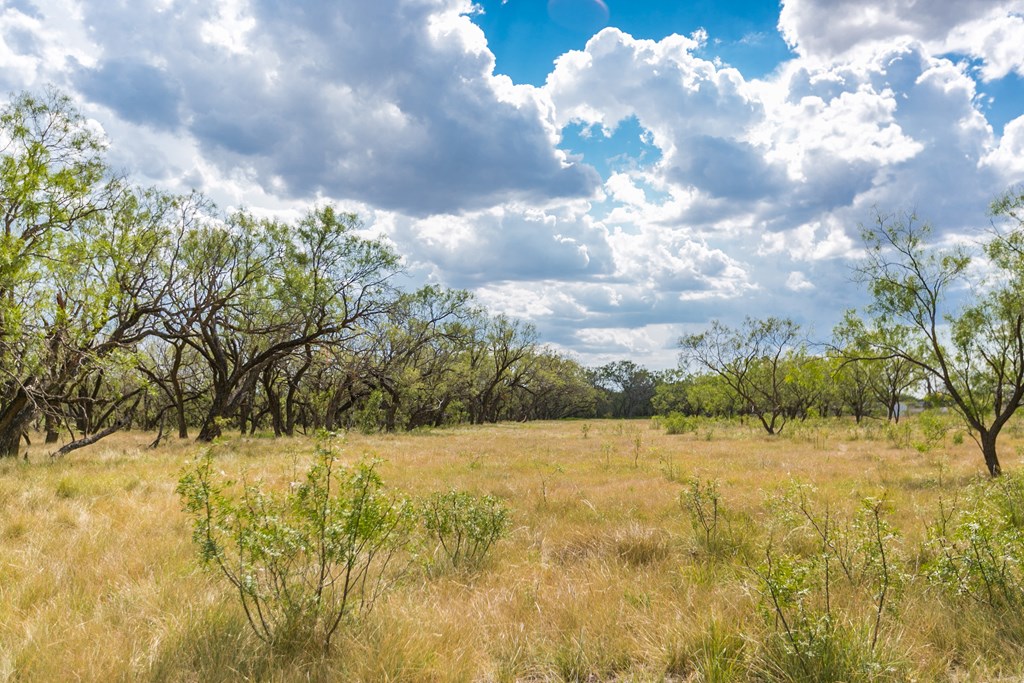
(601, 577)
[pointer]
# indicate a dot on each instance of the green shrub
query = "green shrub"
(702, 503)
(465, 526)
(980, 545)
(306, 560)
(810, 638)
(934, 426)
(677, 423)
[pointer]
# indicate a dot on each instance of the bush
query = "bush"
(465, 526)
(980, 545)
(701, 500)
(304, 561)
(677, 423)
(810, 637)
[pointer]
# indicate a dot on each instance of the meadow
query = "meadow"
(633, 555)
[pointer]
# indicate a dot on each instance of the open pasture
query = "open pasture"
(633, 555)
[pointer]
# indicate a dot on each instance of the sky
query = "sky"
(617, 172)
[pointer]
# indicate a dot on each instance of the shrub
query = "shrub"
(305, 560)
(465, 526)
(810, 637)
(677, 423)
(701, 500)
(980, 545)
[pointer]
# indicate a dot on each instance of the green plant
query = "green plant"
(701, 502)
(934, 427)
(305, 560)
(465, 526)
(813, 639)
(670, 468)
(677, 423)
(980, 545)
(898, 434)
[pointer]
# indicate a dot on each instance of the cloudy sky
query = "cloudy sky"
(616, 172)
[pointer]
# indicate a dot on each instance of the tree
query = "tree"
(499, 359)
(973, 351)
(629, 388)
(861, 375)
(251, 293)
(754, 361)
(79, 283)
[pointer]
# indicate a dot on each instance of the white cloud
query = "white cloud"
(393, 103)
(989, 30)
(1008, 158)
(798, 282)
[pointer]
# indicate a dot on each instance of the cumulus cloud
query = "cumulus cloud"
(393, 103)
(798, 282)
(1008, 158)
(506, 243)
(988, 30)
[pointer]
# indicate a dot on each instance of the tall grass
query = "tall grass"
(604, 575)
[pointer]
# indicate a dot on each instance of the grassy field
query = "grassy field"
(607, 573)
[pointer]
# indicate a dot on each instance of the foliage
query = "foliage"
(761, 362)
(813, 641)
(974, 350)
(464, 526)
(306, 560)
(677, 423)
(626, 389)
(979, 545)
(701, 500)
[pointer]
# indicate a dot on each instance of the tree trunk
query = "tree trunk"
(273, 402)
(178, 393)
(210, 429)
(14, 419)
(179, 414)
(50, 426)
(988, 449)
(89, 440)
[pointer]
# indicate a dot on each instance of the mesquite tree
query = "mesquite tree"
(79, 283)
(250, 293)
(756, 361)
(973, 350)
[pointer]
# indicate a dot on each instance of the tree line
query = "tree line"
(124, 306)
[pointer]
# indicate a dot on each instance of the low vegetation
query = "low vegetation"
(530, 552)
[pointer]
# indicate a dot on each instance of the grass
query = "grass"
(603, 577)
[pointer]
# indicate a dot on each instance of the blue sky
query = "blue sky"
(617, 173)
(526, 36)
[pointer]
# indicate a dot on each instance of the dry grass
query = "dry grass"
(602, 577)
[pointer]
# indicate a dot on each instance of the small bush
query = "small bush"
(980, 545)
(677, 423)
(465, 526)
(305, 560)
(701, 501)
(811, 637)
